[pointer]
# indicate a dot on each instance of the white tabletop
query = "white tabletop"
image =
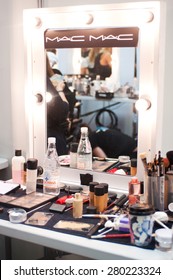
(94, 249)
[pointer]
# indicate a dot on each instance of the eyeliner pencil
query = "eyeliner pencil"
(115, 235)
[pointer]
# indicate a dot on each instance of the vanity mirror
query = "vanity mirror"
(142, 16)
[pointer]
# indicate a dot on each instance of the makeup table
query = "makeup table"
(93, 249)
(71, 241)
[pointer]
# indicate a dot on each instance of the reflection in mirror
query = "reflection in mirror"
(105, 97)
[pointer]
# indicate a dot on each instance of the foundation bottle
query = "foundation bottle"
(99, 198)
(91, 192)
(77, 206)
(105, 186)
(133, 167)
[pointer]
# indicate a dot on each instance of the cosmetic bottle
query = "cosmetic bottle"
(31, 175)
(51, 167)
(84, 151)
(24, 174)
(133, 167)
(77, 206)
(134, 191)
(73, 155)
(17, 167)
(99, 198)
(91, 192)
(105, 186)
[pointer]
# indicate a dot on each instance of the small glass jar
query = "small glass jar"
(163, 238)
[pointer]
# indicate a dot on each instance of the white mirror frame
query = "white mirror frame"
(146, 16)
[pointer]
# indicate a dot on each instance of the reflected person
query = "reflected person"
(57, 112)
(103, 63)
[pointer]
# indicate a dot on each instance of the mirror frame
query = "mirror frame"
(144, 15)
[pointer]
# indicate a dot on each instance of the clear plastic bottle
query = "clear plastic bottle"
(17, 167)
(31, 175)
(84, 151)
(51, 174)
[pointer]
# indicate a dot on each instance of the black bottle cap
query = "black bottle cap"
(133, 162)
(32, 163)
(105, 186)
(91, 209)
(92, 185)
(99, 190)
(141, 209)
(18, 153)
(73, 147)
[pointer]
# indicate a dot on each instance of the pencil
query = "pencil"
(116, 235)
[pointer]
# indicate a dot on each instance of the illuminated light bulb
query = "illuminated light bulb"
(38, 97)
(149, 17)
(48, 96)
(36, 22)
(142, 105)
(84, 18)
(89, 18)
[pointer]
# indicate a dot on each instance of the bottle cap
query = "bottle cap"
(92, 185)
(18, 153)
(84, 129)
(99, 190)
(73, 147)
(78, 196)
(51, 140)
(91, 209)
(141, 209)
(32, 163)
(105, 186)
(133, 162)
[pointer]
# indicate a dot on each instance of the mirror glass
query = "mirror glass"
(69, 52)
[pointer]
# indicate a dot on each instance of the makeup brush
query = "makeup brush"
(143, 158)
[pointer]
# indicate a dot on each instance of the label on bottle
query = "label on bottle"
(51, 183)
(84, 161)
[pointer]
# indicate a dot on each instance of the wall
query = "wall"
(12, 116)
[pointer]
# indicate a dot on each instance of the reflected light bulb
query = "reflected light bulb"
(142, 105)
